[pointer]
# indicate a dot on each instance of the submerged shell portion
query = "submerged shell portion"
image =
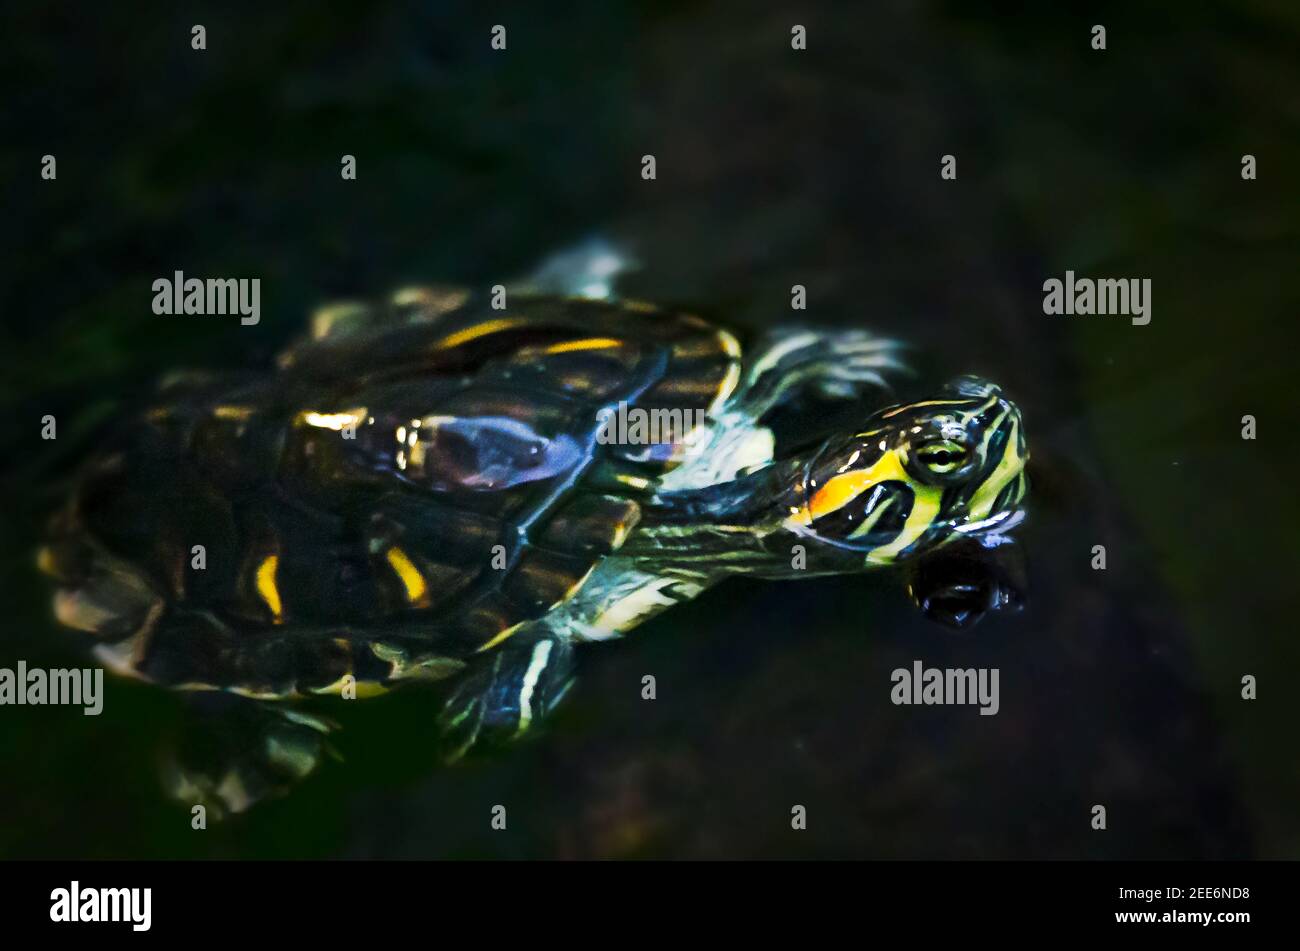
(414, 483)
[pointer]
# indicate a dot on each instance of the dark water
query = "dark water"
(1119, 687)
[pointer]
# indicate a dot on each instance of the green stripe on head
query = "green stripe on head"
(917, 475)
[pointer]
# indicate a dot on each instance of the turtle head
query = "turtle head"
(917, 476)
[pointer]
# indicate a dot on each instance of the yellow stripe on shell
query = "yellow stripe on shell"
(417, 589)
(590, 343)
(479, 330)
(267, 588)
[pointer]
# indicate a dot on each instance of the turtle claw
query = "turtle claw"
(460, 723)
(840, 385)
(837, 365)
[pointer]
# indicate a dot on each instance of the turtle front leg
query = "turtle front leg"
(836, 363)
(787, 362)
(234, 752)
(507, 690)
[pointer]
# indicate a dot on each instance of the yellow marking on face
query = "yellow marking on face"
(1008, 467)
(841, 489)
(267, 588)
(925, 506)
(640, 306)
(417, 589)
(870, 521)
(479, 330)
(335, 421)
(591, 343)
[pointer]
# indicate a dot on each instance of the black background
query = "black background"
(775, 167)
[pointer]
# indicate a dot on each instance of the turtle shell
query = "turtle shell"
(409, 488)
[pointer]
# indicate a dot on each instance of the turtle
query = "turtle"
(430, 487)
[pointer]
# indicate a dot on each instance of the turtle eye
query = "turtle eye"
(943, 457)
